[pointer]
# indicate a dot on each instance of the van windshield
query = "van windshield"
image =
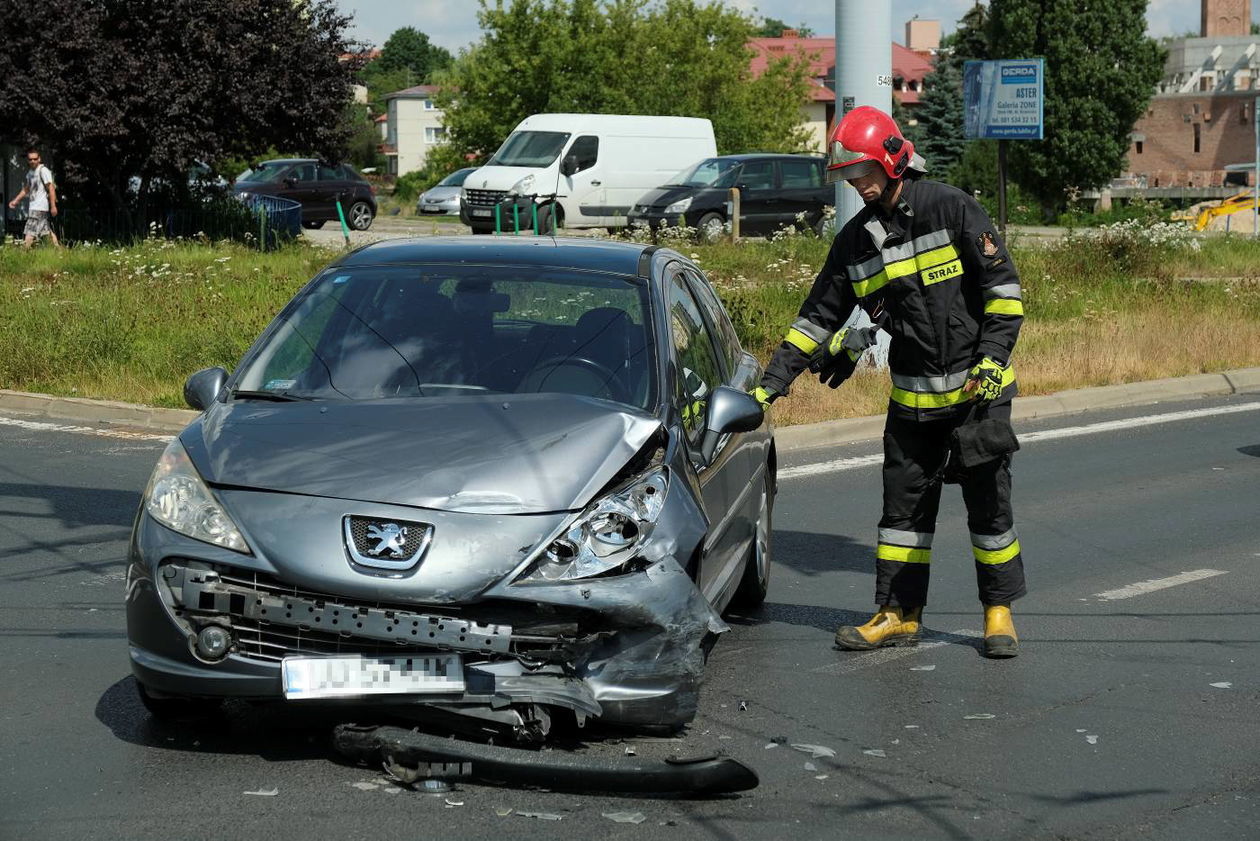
(530, 148)
(710, 172)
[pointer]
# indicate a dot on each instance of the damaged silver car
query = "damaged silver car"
(511, 480)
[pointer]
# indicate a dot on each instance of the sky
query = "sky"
(453, 23)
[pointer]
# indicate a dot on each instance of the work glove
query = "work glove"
(765, 396)
(836, 358)
(985, 380)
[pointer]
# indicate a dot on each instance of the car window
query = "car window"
(727, 339)
(348, 173)
(699, 371)
(586, 150)
(758, 175)
(329, 173)
(303, 172)
(800, 173)
(440, 331)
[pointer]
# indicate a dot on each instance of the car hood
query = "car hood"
(440, 193)
(664, 196)
(505, 454)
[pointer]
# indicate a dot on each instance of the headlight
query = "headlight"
(609, 533)
(679, 206)
(522, 187)
(178, 499)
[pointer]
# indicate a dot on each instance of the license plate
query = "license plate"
(430, 207)
(353, 676)
(476, 211)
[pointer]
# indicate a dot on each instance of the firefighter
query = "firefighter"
(924, 262)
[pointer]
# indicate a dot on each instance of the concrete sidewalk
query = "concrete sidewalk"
(789, 438)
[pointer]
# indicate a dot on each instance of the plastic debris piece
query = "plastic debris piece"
(912, 727)
(625, 817)
(270, 792)
(771, 745)
(502, 811)
(365, 786)
(1081, 730)
(1093, 740)
(821, 777)
(435, 786)
(630, 751)
(816, 751)
(896, 741)
(542, 816)
(391, 789)
(450, 802)
(922, 668)
(1225, 684)
(979, 717)
(809, 766)
(724, 737)
(874, 752)
(743, 705)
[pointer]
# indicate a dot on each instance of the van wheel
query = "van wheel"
(711, 227)
(549, 219)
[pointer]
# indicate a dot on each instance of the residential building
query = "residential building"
(1202, 116)
(911, 64)
(413, 126)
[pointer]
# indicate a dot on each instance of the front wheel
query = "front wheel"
(755, 583)
(360, 216)
(711, 227)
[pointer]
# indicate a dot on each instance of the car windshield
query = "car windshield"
(711, 172)
(445, 330)
(457, 178)
(530, 148)
(266, 173)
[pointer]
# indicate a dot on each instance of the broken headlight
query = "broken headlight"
(178, 499)
(609, 532)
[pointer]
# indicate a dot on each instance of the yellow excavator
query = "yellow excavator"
(1200, 219)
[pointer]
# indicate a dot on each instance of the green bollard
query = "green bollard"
(516, 219)
(533, 211)
(345, 229)
(497, 226)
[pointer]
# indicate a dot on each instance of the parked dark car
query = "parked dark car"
(776, 191)
(317, 187)
(516, 480)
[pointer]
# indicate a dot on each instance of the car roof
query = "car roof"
(748, 156)
(620, 258)
(274, 161)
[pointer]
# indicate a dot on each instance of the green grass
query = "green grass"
(131, 323)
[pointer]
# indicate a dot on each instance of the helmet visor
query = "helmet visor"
(856, 168)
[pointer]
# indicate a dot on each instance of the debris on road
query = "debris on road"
(450, 802)
(809, 766)
(770, 745)
(979, 717)
(542, 816)
(1225, 684)
(625, 817)
(502, 811)
(922, 668)
(875, 752)
(271, 792)
(1093, 740)
(366, 786)
(816, 751)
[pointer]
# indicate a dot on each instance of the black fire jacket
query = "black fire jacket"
(937, 275)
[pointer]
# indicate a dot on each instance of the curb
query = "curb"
(789, 438)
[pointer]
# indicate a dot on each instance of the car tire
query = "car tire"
(314, 226)
(755, 582)
(172, 707)
(477, 230)
(711, 227)
(360, 216)
(548, 221)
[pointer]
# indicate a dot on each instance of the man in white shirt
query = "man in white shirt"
(42, 193)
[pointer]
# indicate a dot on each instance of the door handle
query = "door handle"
(596, 183)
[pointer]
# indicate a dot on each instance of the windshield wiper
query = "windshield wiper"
(278, 396)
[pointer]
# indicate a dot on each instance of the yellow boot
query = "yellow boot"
(999, 632)
(890, 626)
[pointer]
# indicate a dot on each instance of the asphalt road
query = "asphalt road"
(1131, 716)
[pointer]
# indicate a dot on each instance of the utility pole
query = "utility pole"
(1255, 190)
(863, 73)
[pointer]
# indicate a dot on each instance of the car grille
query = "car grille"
(485, 198)
(238, 598)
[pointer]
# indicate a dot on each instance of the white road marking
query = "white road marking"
(1143, 587)
(837, 465)
(854, 662)
(43, 426)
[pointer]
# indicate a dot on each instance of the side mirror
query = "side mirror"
(730, 410)
(569, 165)
(203, 387)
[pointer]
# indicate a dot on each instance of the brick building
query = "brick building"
(1202, 118)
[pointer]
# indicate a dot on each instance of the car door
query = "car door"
(332, 186)
(800, 191)
(759, 211)
(586, 186)
(700, 369)
(301, 185)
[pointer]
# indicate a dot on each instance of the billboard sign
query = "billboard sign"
(1004, 99)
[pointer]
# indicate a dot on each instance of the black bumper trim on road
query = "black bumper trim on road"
(425, 756)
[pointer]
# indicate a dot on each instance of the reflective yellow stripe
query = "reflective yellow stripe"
(901, 268)
(874, 283)
(996, 556)
(1005, 306)
(800, 341)
(904, 554)
(939, 273)
(939, 400)
(936, 256)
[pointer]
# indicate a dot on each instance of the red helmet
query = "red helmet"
(867, 136)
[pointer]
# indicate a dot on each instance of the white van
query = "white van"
(593, 166)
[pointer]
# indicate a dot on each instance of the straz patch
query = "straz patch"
(988, 244)
(945, 272)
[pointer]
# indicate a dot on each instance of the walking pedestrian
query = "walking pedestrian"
(923, 260)
(41, 194)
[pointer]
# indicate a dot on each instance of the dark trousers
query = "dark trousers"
(915, 453)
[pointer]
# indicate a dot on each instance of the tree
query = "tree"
(144, 89)
(939, 136)
(773, 28)
(1101, 70)
(407, 59)
(676, 57)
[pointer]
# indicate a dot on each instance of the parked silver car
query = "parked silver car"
(511, 479)
(443, 197)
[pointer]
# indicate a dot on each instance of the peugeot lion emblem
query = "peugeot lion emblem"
(389, 538)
